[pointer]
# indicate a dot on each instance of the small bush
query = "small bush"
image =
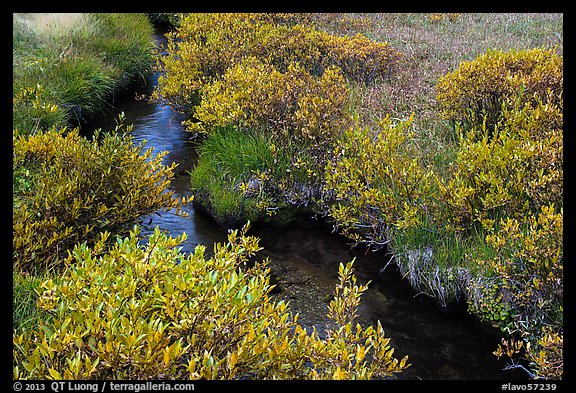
(378, 183)
(475, 91)
(507, 180)
(290, 107)
(244, 176)
(33, 111)
(151, 312)
(165, 20)
(439, 16)
(383, 197)
(72, 188)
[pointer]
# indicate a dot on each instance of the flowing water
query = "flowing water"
(304, 264)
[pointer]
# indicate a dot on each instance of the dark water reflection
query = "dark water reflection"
(305, 263)
(158, 126)
(439, 345)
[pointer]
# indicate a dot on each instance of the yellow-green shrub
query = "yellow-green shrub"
(382, 196)
(152, 312)
(206, 45)
(80, 60)
(378, 182)
(529, 263)
(292, 106)
(440, 16)
(476, 90)
(545, 359)
(75, 188)
(511, 171)
(524, 266)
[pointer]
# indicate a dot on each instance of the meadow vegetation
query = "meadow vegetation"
(90, 304)
(436, 137)
(445, 147)
(68, 67)
(145, 312)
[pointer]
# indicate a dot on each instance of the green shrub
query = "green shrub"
(72, 188)
(433, 221)
(507, 180)
(383, 197)
(273, 74)
(476, 90)
(152, 312)
(165, 20)
(290, 120)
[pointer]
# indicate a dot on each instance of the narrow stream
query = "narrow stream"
(304, 262)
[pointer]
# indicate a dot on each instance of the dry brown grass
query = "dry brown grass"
(51, 23)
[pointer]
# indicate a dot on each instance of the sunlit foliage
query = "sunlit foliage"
(151, 312)
(206, 45)
(475, 91)
(290, 106)
(68, 189)
(525, 272)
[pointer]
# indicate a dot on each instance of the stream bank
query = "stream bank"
(304, 263)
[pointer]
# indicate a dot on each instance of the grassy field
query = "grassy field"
(433, 45)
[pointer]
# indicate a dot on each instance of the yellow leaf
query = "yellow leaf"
(232, 360)
(54, 374)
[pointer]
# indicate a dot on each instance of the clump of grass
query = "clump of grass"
(78, 61)
(25, 314)
(233, 164)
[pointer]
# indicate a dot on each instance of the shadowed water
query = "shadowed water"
(304, 263)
